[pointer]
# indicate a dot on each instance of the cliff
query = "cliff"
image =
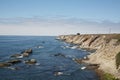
(107, 47)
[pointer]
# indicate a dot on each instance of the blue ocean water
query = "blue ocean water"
(44, 48)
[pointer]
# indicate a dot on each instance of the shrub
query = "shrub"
(78, 33)
(108, 76)
(118, 41)
(117, 60)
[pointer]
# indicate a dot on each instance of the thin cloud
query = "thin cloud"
(55, 26)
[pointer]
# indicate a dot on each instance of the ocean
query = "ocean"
(52, 57)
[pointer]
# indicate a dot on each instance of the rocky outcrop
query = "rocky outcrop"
(25, 53)
(107, 46)
(8, 64)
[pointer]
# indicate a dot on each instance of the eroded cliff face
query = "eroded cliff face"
(106, 45)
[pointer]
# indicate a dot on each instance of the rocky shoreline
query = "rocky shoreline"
(106, 47)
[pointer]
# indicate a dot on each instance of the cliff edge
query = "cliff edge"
(107, 47)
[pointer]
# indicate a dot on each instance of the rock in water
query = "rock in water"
(39, 47)
(58, 73)
(17, 55)
(5, 64)
(37, 64)
(60, 54)
(25, 54)
(14, 61)
(28, 51)
(31, 61)
(79, 61)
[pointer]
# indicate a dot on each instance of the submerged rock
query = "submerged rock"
(43, 41)
(37, 64)
(13, 68)
(60, 54)
(39, 47)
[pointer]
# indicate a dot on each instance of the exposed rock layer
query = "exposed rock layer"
(107, 46)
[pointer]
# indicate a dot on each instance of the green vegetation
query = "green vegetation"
(107, 76)
(117, 60)
(118, 41)
(109, 37)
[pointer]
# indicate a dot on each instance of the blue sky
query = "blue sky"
(57, 16)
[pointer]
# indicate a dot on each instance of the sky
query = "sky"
(57, 17)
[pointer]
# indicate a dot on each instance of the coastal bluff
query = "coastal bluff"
(107, 46)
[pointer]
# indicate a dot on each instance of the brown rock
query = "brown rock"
(79, 61)
(28, 51)
(5, 65)
(16, 55)
(14, 61)
(31, 61)
(25, 54)
(92, 66)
